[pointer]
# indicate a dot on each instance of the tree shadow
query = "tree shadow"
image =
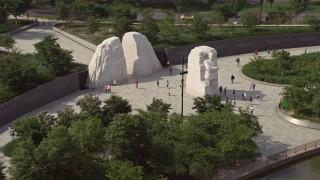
(268, 147)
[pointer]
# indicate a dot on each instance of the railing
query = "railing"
(285, 154)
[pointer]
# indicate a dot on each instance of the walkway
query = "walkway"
(278, 134)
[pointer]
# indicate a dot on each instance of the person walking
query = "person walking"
(10, 130)
(167, 83)
(232, 78)
(220, 89)
(234, 102)
(256, 52)
(170, 71)
(137, 83)
(258, 96)
(169, 91)
(157, 83)
(242, 95)
(109, 88)
(250, 99)
(245, 96)
(106, 88)
(251, 109)
(225, 91)
(234, 92)
(238, 61)
(101, 85)
(253, 86)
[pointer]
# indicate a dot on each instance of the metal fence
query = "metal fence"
(293, 151)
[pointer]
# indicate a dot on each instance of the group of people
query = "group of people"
(11, 132)
(107, 87)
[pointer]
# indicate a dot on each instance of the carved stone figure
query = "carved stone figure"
(140, 56)
(202, 71)
(108, 64)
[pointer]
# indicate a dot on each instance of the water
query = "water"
(307, 169)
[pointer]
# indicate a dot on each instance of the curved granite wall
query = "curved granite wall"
(245, 45)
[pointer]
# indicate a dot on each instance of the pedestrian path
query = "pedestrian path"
(26, 39)
(278, 134)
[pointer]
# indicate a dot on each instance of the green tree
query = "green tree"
(123, 16)
(249, 20)
(158, 105)
(7, 41)
(90, 104)
(217, 17)
(4, 10)
(236, 5)
(211, 2)
(113, 106)
(18, 75)
(199, 27)
(284, 60)
(123, 170)
(279, 15)
(313, 22)
(64, 9)
(2, 173)
(257, 62)
(299, 6)
(181, 5)
(49, 53)
(57, 157)
(315, 105)
(207, 103)
(18, 7)
(128, 139)
(271, 2)
(22, 158)
(35, 127)
(92, 25)
(66, 117)
(169, 32)
(149, 26)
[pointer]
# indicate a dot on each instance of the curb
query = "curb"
(74, 38)
(261, 82)
(304, 123)
(23, 28)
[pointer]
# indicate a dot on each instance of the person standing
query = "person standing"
(225, 90)
(234, 92)
(106, 88)
(253, 86)
(232, 78)
(220, 89)
(238, 61)
(251, 109)
(169, 91)
(256, 52)
(157, 83)
(234, 102)
(10, 130)
(250, 99)
(170, 71)
(101, 85)
(245, 96)
(242, 95)
(167, 83)
(258, 96)
(109, 88)
(137, 83)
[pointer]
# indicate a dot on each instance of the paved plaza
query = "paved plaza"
(277, 134)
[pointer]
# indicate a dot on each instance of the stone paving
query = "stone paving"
(278, 134)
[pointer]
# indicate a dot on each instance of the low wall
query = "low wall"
(23, 28)
(41, 95)
(245, 45)
(74, 38)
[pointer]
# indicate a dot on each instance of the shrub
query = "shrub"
(313, 22)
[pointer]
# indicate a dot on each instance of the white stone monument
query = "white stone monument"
(108, 64)
(140, 56)
(202, 71)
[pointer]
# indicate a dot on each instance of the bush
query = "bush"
(10, 25)
(313, 22)
(9, 147)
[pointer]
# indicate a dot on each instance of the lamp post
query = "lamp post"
(183, 61)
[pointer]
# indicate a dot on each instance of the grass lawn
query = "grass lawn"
(314, 7)
(10, 25)
(270, 70)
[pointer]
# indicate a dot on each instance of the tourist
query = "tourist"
(101, 85)
(220, 89)
(234, 102)
(245, 96)
(167, 83)
(157, 83)
(250, 99)
(238, 61)
(137, 83)
(251, 109)
(9, 129)
(225, 90)
(253, 86)
(109, 88)
(106, 88)
(232, 78)
(242, 95)
(258, 96)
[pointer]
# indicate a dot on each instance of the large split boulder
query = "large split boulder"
(202, 71)
(108, 64)
(140, 56)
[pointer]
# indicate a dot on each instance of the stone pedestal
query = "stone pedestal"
(140, 57)
(108, 64)
(202, 71)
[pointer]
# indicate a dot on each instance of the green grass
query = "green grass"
(314, 7)
(270, 71)
(10, 25)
